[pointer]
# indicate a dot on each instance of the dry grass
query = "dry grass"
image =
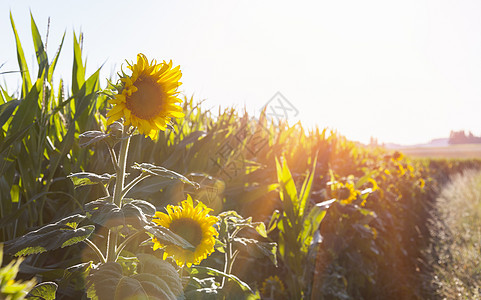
(456, 232)
(452, 151)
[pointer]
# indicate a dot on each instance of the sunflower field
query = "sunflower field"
(127, 189)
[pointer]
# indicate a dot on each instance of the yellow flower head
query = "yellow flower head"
(148, 98)
(345, 193)
(272, 287)
(194, 225)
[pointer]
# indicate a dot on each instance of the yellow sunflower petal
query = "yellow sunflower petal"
(149, 96)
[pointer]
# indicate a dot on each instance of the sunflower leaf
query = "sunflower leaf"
(50, 237)
(43, 291)
(87, 178)
(167, 237)
(163, 172)
(146, 207)
(107, 282)
(108, 214)
(152, 265)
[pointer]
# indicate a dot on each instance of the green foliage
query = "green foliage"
(297, 227)
(156, 279)
(43, 291)
(53, 236)
(37, 145)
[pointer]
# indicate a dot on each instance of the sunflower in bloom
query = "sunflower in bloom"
(147, 99)
(194, 225)
(345, 193)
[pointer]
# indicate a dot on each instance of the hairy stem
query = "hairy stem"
(117, 196)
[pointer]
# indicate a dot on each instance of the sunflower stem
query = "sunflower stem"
(228, 258)
(117, 196)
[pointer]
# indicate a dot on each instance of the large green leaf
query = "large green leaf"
(78, 69)
(50, 237)
(106, 213)
(22, 63)
(312, 221)
(108, 282)
(152, 265)
(39, 48)
(163, 172)
(43, 291)
(288, 192)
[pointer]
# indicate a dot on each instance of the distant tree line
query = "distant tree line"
(460, 137)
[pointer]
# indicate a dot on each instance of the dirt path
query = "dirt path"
(455, 249)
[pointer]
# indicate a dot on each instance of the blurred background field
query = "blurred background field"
(464, 151)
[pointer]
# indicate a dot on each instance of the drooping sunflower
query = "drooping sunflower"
(345, 193)
(194, 225)
(147, 98)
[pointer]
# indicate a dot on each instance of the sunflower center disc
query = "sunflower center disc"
(188, 229)
(147, 101)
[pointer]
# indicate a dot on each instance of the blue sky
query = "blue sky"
(403, 72)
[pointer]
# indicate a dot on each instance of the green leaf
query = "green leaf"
(39, 48)
(24, 117)
(260, 227)
(163, 172)
(6, 110)
(288, 192)
(146, 207)
(76, 274)
(107, 282)
(306, 190)
(50, 237)
(108, 214)
(22, 63)
(312, 221)
(167, 237)
(164, 270)
(78, 70)
(90, 137)
(87, 178)
(43, 291)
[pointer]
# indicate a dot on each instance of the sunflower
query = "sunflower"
(272, 288)
(345, 193)
(194, 225)
(147, 99)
